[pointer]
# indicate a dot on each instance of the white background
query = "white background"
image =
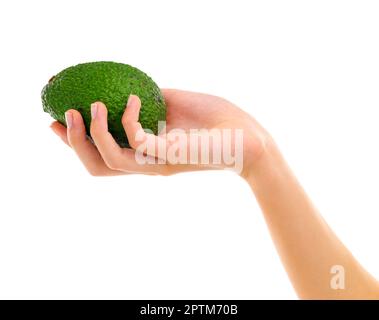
(307, 70)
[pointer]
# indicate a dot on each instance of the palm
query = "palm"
(189, 110)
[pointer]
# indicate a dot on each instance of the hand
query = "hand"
(185, 111)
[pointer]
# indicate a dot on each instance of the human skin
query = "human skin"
(307, 246)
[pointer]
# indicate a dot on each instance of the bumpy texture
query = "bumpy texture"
(110, 82)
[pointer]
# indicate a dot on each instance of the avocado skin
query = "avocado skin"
(77, 87)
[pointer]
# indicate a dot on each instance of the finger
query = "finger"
(140, 140)
(83, 147)
(60, 130)
(117, 158)
(105, 143)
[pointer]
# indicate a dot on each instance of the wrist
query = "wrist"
(262, 158)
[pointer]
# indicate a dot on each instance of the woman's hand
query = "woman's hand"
(308, 247)
(187, 111)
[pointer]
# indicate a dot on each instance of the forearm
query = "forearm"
(307, 246)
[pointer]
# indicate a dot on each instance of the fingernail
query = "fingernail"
(93, 110)
(130, 100)
(68, 116)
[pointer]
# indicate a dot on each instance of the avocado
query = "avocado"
(111, 83)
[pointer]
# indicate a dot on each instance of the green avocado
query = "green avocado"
(111, 83)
